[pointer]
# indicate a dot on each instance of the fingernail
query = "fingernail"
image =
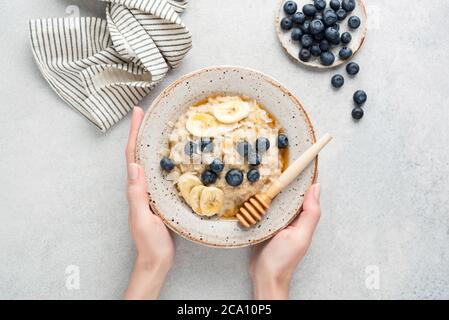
(316, 191)
(133, 171)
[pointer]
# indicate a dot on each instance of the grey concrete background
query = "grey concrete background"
(385, 180)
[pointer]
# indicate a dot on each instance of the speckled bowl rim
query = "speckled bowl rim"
(318, 66)
(167, 91)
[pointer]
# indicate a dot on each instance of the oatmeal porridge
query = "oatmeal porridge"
(222, 151)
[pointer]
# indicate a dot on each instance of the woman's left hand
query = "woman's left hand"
(154, 243)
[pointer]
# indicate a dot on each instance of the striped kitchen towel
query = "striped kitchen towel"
(103, 68)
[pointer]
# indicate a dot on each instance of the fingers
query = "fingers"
(137, 191)
(306, 223)
(137, 186)
(136, 120)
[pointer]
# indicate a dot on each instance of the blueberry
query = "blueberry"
(309, 10)
(338, 81)
(325, 45)
(315, 50)
(253, 175)
(296, 34)
(290, 7)
(316, 26)
(216, 166)
(208, 177)
(318, 16)
(319, 36)
(348, 5)
(360, 97)
(346, 37)
(332, 35)
(305, 27)
(286, 23)
(243, 148)
(254, 159)
(335, 4)
(341, 14)
(354, 22)
(282, 141)
(319, 4)
(167, 164)
(304, 54)
(329, 17)
(207, 145)
(357, 113)
(234, 177)
(190, 148)
(352, 68)
(335, 26)
(262, 144)
(327, 58)
(345, 53)
(299, 17)
(306, 41)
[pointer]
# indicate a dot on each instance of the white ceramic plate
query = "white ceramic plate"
(293, 47)
(153, 136)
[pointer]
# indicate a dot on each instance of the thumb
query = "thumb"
(137, 189)
(309, 217)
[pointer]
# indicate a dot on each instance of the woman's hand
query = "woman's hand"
(273, 262)
(154, 244)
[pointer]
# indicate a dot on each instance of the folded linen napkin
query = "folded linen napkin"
(103, 68)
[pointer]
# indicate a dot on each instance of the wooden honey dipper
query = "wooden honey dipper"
(254, 209)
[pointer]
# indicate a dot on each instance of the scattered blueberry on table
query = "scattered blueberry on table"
(352, 68)
(337, 81)
(357, 113)
(360, 97)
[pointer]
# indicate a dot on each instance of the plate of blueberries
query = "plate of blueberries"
(321, 33)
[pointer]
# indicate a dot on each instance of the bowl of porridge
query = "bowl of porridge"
(213, 139)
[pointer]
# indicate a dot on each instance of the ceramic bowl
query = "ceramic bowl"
(153, 136)
(293, 47)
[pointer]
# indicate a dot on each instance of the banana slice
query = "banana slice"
(231, 111)
(186, 182)
(194, 198)
(211, 201)
(205, 125)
